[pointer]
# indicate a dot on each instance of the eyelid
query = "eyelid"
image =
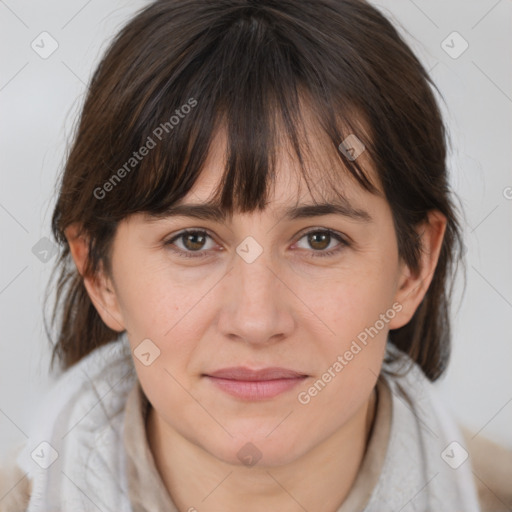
(317, 229)
(343, 240)
(185, 231)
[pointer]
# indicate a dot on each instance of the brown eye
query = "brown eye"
(191, 244)
(193, 241)
(320, 240)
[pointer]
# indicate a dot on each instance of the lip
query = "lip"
(247, 384)
(247, 374)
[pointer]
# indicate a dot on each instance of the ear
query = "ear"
(412, 287)
(99, 286)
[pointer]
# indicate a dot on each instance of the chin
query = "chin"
(256, 450)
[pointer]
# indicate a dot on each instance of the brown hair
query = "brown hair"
(243, 63)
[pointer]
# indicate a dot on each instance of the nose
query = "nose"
(257, 304)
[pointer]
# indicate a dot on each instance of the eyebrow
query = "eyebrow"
(316, 210)
(211, 211)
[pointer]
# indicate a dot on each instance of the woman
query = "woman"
(236, 334)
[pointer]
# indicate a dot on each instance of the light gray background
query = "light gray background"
(39, 100)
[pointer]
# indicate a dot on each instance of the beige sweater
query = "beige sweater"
(492, 466)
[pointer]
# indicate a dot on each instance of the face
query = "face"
(313, 296)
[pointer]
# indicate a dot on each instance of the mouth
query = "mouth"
(250, 385)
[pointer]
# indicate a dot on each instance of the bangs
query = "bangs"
(330, 79)
(267, 95)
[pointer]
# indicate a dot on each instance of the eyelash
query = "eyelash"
(201, 254)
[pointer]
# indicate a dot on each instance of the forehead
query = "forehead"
(326, 188)
(325, 181)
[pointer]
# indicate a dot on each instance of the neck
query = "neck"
(324, 475)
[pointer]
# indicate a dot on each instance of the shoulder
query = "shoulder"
(492, 471)
(15, 486)
(71, 400)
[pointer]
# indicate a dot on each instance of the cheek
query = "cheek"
(355, 299)
(355, 308)
(353, 349)
(159, 301)
(172, 308)
(148, 306)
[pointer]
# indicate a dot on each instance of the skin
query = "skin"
(288, 308)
